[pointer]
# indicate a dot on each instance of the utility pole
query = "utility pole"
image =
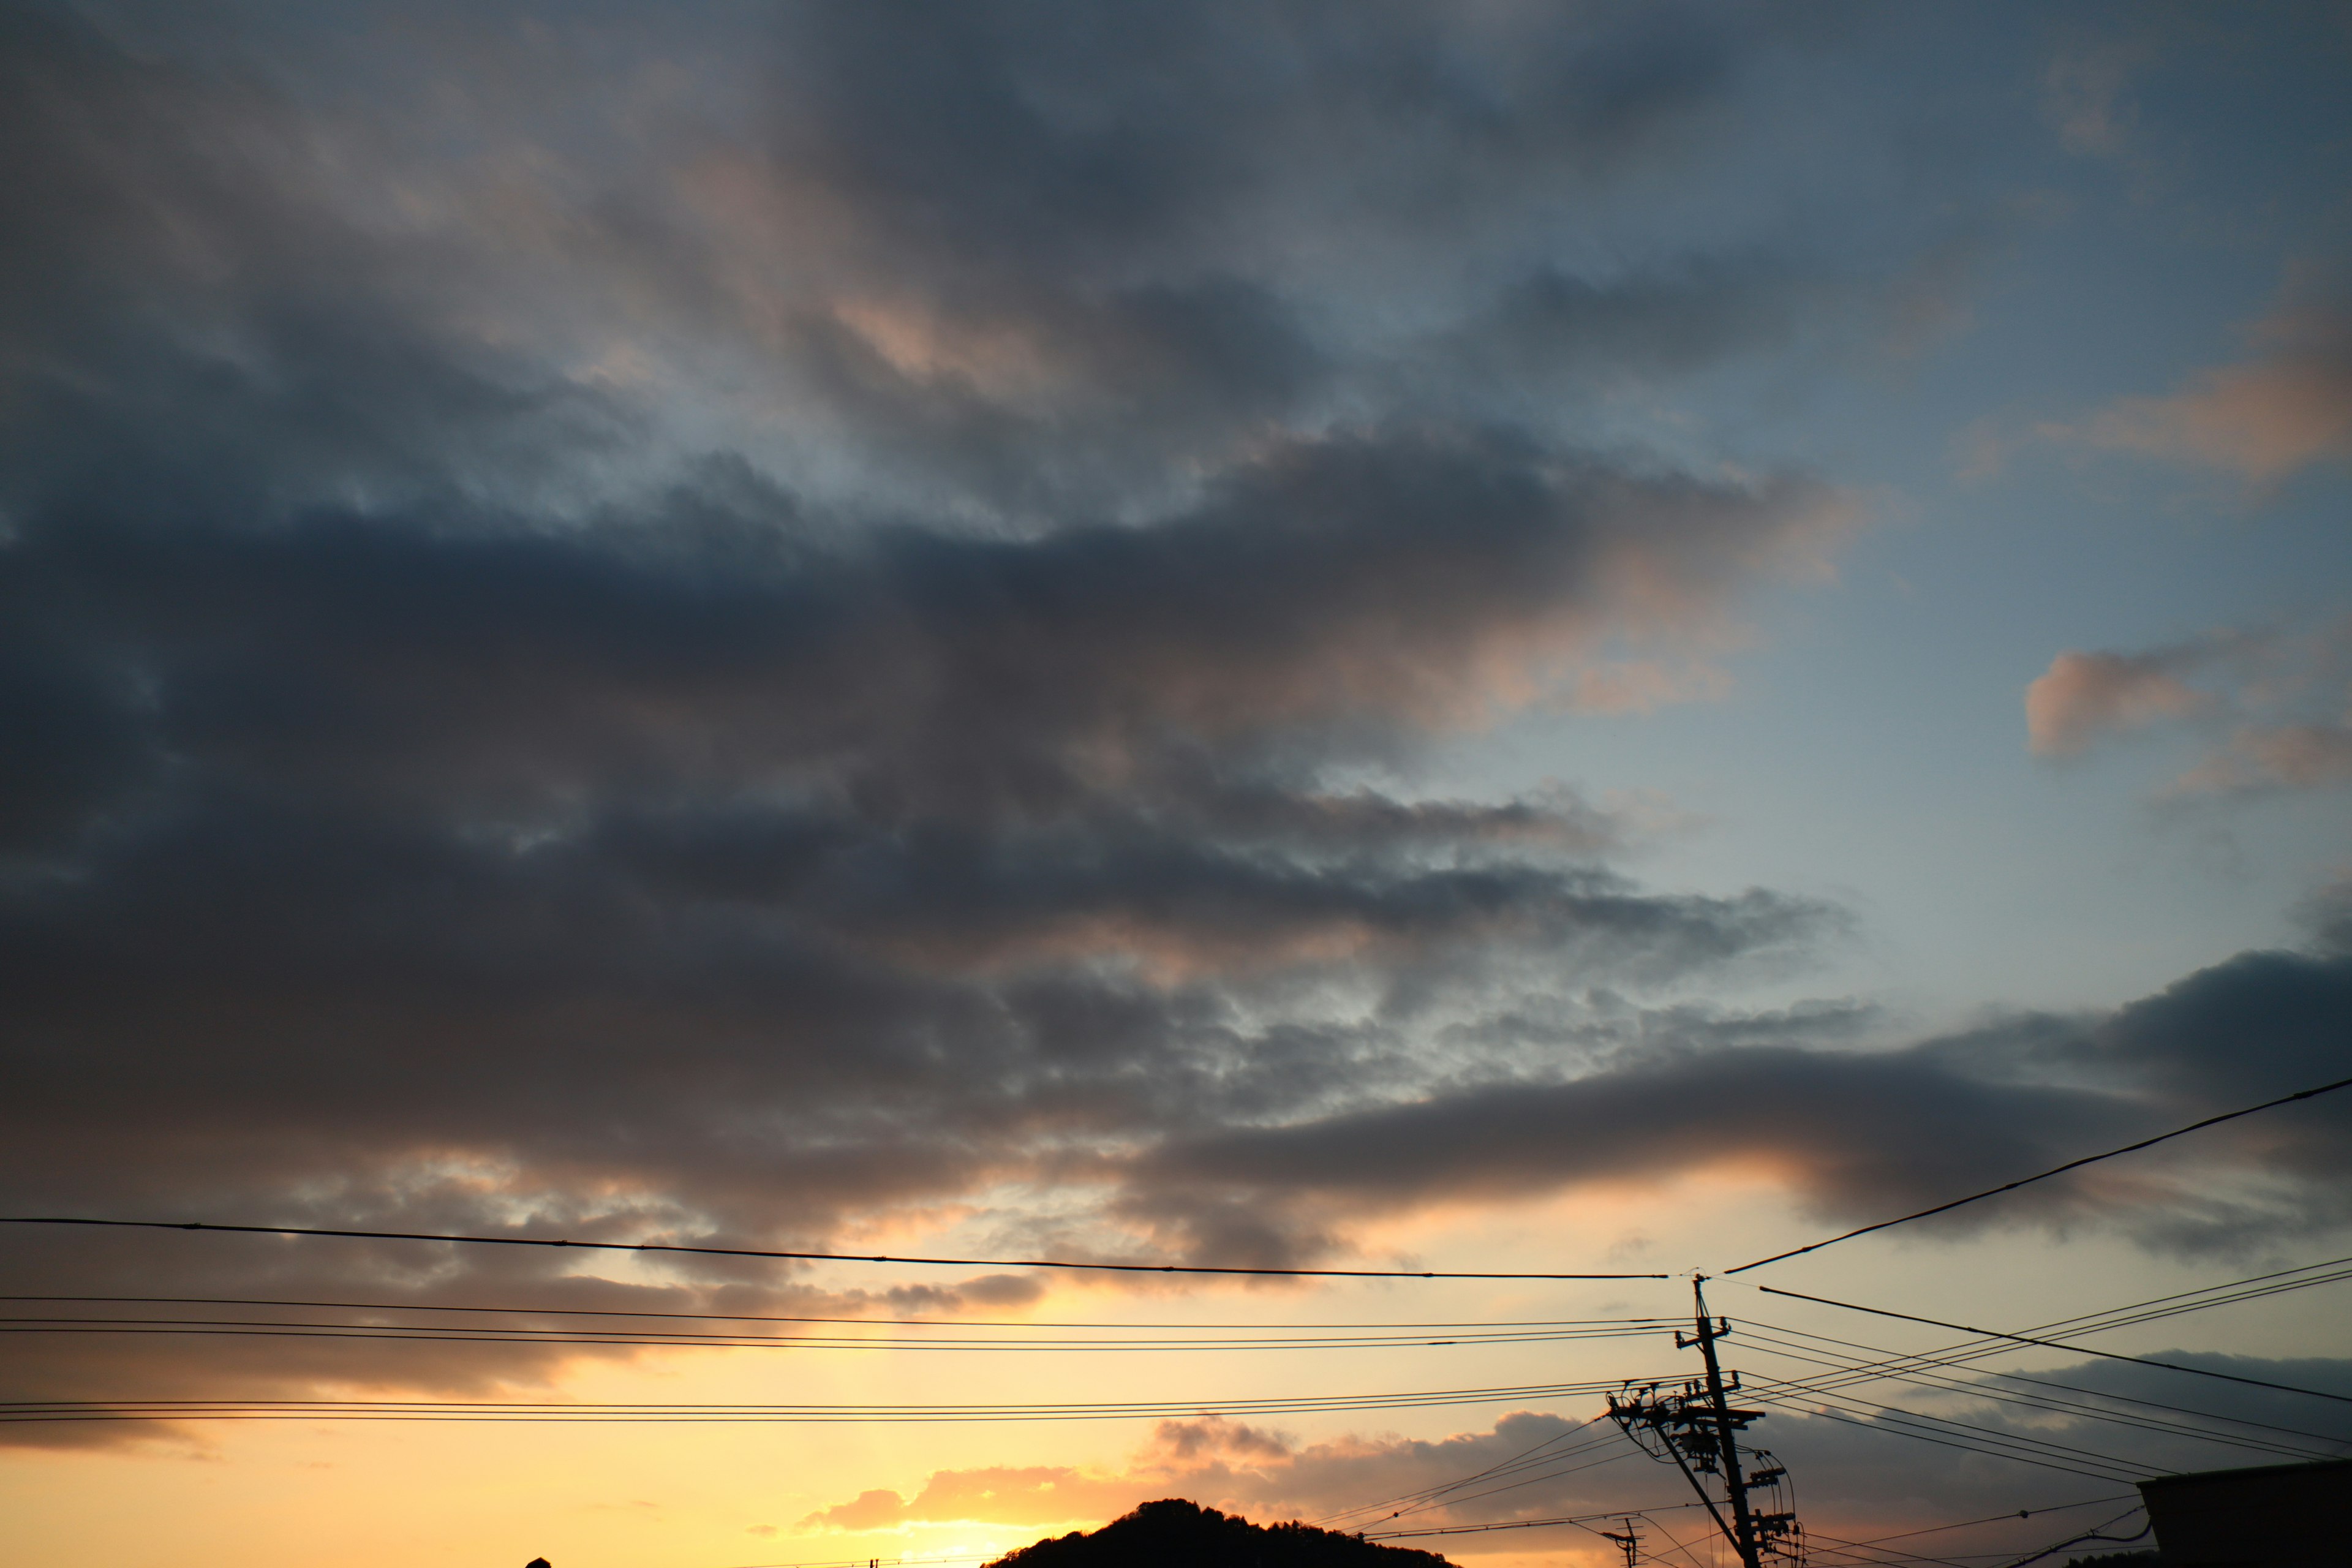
(1697, 1428)
(1727, 1422)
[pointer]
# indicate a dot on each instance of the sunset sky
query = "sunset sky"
(1485, 637)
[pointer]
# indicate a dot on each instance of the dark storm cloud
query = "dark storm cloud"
(1004, 262)
(1863, 1135)
(1340, 591)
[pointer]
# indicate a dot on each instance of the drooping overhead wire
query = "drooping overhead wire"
(2044, 1175)
(1941, 1370)
(1552, 1472)
(1524, 1457)
(1977, 1386)
(1824, 1399)
(1680, 1550)
(1992, 1519)
(665, 1247)
(1524, 1523)
(584, 1411)
(2177, 1303)
(426, 1323)
(2088, 1536)
(2055, 1344)
(1949, 1430)
(1920, 1367)
(1845, 1553)
(2013, 1439)
(428, 1333)
(1821, 1395)
(1888, 1421)
(563, 1311)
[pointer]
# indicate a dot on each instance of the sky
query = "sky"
(1489, 637)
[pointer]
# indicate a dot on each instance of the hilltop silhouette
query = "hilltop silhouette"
(1174, 1534)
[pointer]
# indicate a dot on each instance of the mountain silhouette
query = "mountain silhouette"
(1174, 1534)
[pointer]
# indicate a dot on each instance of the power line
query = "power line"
(2092, 1534)
(2006, 1444)
(427, 1336)
(1899, 1367)
(1920, 1372)
(1989, 1519)
(1688, 1555)
(1500, 1467)
(2053, 1344)
(1938, 1374)
(1794, 1397)
(1884, 1428)
(539, 1410)
(609, 1327)
(1944, 1431)
(1514, 1486)
(2044, 1175)
(798, 1256)
(1977, 1390)
(1870, 1553)
(2209, 1290)
(1524, 1523)
(553, 1311)
(2115, 1317)
(499, 1333)
(2148, 1311)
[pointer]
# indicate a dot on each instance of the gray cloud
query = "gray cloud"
(856, 631)
(1332, 597)
(997, 267)
(2269, 703)
(1860, 1135)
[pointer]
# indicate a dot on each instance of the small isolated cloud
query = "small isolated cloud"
(2275, 707)
(2285, 407)
(2083, 697)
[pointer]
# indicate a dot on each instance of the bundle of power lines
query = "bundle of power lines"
(1828, 1383)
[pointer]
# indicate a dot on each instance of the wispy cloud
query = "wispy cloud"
(2286, 408)
(2084, 697)
(2273, 706)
